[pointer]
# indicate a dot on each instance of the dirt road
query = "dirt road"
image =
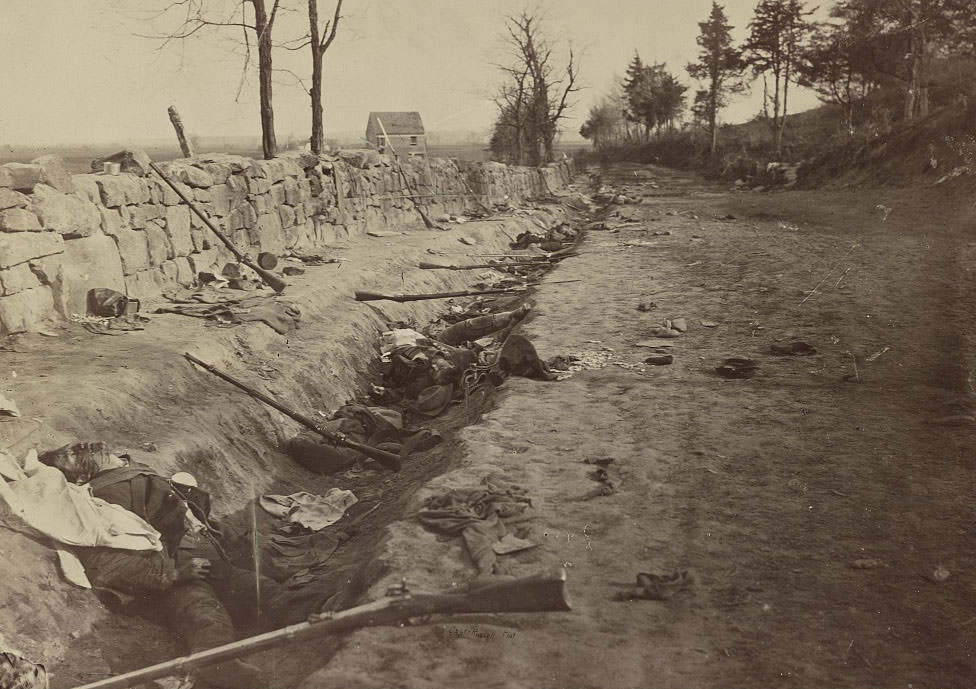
(824, 505)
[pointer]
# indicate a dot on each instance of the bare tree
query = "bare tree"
(534, 99)
(256, 23)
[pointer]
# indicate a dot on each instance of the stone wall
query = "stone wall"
(63, 234)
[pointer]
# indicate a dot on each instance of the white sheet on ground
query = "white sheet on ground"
(37, 499)
(312, 511)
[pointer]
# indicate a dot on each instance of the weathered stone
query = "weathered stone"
(178, 229)
(134, 217)
(277, 193)
(220, 196)
(169, 271)
(136, 189)
(292, 194)
(20, 247)
(86, 186)
(111, 220)
(218, 171)
(166, 194)
(54, 173)
(20, 176)
(158, 243)
(304, 190)
(111, 190)
(19, 220)
(12, 199)
(133, 250)
(131, 161)
(243, 216)
(303, 159)
(146, 284)
(26, 310)
(268, 233)
(258, 185)
(300, 215)
(17, 279)
(198, 236)
(69, 214)
(185, 276)
(287, 215)
(188, 174)
(202, 195)
(203, 260)
(153, 211)
(85, 264)
(262, 203)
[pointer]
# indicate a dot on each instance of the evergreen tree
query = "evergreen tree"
(719, 65)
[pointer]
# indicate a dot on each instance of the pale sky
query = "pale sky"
(75, 71)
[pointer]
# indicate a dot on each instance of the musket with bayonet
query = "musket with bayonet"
(538, 593)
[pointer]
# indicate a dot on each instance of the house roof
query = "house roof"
(397, 122)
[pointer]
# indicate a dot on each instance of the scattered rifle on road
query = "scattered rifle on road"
(271, 280)
(437, 266)
(362, 295)
(387, 459)
(538, 593)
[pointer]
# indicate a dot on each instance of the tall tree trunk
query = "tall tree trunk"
(317, 138)
(263, 31)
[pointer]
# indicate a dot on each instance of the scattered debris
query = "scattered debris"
(646, 306)
(7, 407)
(867, 563)
(736, 367)
(709, 324)
(793, 348)
(651, 586)
(877, 354)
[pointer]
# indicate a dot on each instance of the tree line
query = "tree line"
(865, 58)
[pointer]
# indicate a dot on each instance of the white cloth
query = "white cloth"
(312, 511)
(37, 499)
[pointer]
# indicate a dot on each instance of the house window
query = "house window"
(413, 141)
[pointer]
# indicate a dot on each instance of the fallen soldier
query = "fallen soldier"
(191, 585)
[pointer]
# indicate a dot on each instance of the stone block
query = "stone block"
(136, 189)
(258, 185)
(185, 276)
(304, 190)
(23, 246)
(220, 197)
(86, 186)
(133, 250)
(262, 204)
(178, 229)
(131, 161)
(169, 271)
(146, 284)
(26, 310)
(186, 173)
(111, 220)
(17, 279)
(218, 171)
(242, 216)
(134, 217)
(12, 199)
(158, 244)
(287, 215)
(54, 173)
(303, 159)
(166, 194)
(300, 215)
(19, 220)
(293, 195)
(111, 190)
(204, 260)
(86, 263)
(202, 195)
(153, 211)
(20, 176)
(268, 234)
(277, 193)
(69, 214)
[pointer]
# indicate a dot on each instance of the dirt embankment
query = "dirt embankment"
(136, 392)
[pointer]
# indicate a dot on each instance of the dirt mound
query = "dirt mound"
(916, 152)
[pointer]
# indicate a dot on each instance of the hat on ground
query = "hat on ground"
(184, 479)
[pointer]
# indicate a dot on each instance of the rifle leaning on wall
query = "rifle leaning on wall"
(271, 280)
(538, 593)
(388, 459)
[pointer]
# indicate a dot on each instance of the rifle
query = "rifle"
(427, 223)
(537, 593)
(271, 280)
(388, 459)
(438, 266)
(362, 295)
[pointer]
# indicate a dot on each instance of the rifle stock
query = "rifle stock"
(388, 459)
(537, 593)
(271, 280)
(376, 296)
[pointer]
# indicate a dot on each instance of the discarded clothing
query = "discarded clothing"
(37, 499)
(478, 515)
(280, 316)
(107, 303)
(312, 511)
(72, 569)
(303, 551)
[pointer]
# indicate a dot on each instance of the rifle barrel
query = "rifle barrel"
(537, 593)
